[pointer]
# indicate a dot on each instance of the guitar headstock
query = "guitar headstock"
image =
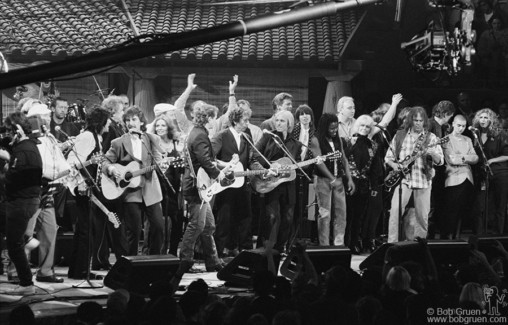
(96, 158)
(443, 140)
(113, 218)
(175, 162)
(334, 155)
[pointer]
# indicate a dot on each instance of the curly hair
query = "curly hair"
(97, 119)
(135, 111)
(112, 104)
(413, 112)
(443, 108)
(493, 129)
(323, 125)
(18, 118)
(170, 127)
(203, 112)
(236, 115)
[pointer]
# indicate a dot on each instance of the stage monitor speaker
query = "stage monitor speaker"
(446, 253)
(487, 245)
(322, 257)
(136, 273)
(239, 271)
(63, 250)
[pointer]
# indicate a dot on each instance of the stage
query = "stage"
(60, 300)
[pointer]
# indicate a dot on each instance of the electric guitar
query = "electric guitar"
(112, 217)
(208, 187)
(394, 177)
(287, 172)
(130, 177)
(71, 181)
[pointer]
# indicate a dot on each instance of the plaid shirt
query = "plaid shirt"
(416, 178)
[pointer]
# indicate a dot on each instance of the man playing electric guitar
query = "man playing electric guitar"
(140, 147)
(86, 145)
(234, 204)
(413, 138)
(201, 221)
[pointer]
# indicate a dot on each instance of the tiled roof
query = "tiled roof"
(45, 28)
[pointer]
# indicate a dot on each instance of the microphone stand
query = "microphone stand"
(166, 221)
(487, 171)
(89, 194)
(246, 137)
(280, 143)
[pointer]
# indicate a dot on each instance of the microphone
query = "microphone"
(133, 131)
(380, 127)
(59, 130)
(270, 133)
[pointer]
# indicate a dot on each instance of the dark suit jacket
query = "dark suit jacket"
(115, 130)
(224, 146)
(201, 155)
(121, 153)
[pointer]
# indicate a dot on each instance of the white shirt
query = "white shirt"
(53, 161)
(136, 146)
(304, 138)
(237, 136)
(84, 145)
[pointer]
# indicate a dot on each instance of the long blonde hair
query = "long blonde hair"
(494, 127)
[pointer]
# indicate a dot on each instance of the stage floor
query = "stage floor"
(53, 300)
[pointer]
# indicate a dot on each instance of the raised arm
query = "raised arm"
(182, 100)
(389, 115)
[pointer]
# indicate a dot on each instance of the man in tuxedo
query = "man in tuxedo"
(136, 145)
(234, 204)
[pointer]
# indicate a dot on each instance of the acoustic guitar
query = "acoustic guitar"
(287, 172)
(130, 177)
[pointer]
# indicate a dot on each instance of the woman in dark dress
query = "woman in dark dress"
(494, 142)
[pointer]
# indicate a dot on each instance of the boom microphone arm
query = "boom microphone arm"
(164, 44)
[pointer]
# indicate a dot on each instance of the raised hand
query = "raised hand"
(190, 81)
(232, 85)
(396, 99)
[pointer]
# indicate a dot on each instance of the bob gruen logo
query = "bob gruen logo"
(494, 299)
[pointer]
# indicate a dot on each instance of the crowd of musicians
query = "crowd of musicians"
(191, 180)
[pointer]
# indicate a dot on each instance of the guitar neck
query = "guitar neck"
(250, 172)
(99, 204)
(304, 163)
(421, 152)
(143, 170)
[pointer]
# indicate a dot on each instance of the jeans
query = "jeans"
(201, 224)
(46, 228)
(325, 196)
(422, 209)
(19, 212)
